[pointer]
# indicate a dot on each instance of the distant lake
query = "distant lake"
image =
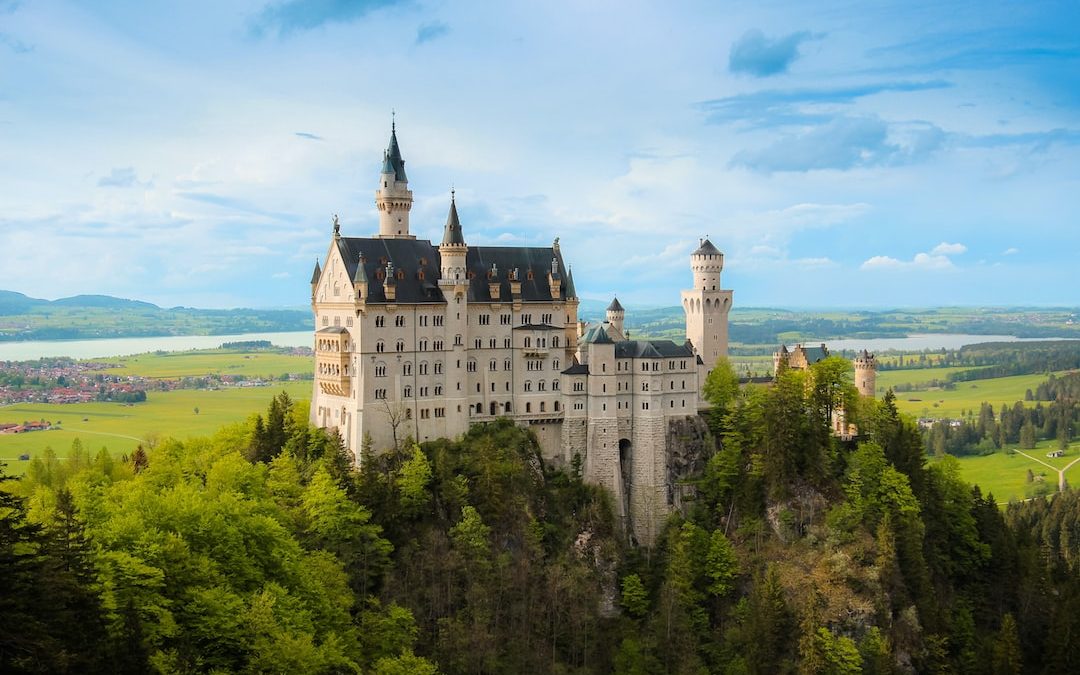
(109, 347)
(917, 343)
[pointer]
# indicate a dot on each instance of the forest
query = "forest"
(260, 549)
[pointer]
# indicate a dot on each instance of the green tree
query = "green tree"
(412, 483)
(721, 565)
(635, 599)
(1006, 651)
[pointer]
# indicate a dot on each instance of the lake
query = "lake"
(108, 347)
(917, 343)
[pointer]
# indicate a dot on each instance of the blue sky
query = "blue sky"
(867, 154)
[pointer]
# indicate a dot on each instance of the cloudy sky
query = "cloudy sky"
(843, 154)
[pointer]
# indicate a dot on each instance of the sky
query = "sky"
(841, 154)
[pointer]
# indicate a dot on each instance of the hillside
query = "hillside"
(103, 316)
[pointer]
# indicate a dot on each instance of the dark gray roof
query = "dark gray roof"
(392, 161)
(316, 274)
(452, 233)
(506, 258)
(571, 292)
(651, 349)
(597, 335)
(706, 248)
(815, 354)
(332, 329)
(615, 306)
(413, 258)
(577, 369)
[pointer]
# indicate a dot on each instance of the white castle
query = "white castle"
(413, 339)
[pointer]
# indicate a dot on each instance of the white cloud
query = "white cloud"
(945, 248)
(926, 261)
(764, 250)
(1012, 250)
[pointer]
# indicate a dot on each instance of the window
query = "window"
(424, 413)
(555, 385)
(555, 341)
(380, 394)
(543, 406)
(380, 321)
(644, 386)
(380, 371)
(423, 319)
(492, 387)
(326, 321)
(438, 345)
(556, 406)
(506, 407)
(505, 319)
(423, 367)
(438, 367)
(477, 387)
(545, 318)
(438, 390)
(528, 407)
(423, 392)
(555, 364)
(423, 345)
(477, 343)
(541, 385)
(437, 320)
(457, 340)
(528, 385)
(506, 343)
(348, 321)
(471, 366)
(399, 321)
(406, 392)
(493, 364)
(406, 368)
(528, 343)
(491, 343)
(485, 319)
(440, 412)
(579, 386)
(400, 346)
(379, 346)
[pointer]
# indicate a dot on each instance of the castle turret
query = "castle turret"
(615, 316)
(866, 373)
(315, 276)
(453, 250)
(393, 197)
(707, 305)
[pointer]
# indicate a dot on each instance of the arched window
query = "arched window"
(400, 346)
(379, 346)
(406, 368)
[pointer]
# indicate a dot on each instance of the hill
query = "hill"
(105, 316)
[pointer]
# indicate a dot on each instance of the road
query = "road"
(1060, 472)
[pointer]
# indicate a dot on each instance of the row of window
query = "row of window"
(496, 408)
(541, 343)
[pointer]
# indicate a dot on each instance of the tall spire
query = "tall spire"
(452, 235)
(392, 161)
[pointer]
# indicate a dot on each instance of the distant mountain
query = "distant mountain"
(102, 316)
(105, 301)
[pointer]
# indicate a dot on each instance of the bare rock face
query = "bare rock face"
(689, 446)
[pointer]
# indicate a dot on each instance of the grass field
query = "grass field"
(1005, 475)
(210, 362)
(121, 428)
(967, 396)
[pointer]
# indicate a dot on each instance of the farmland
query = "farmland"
(1005, 474)
(265, 364)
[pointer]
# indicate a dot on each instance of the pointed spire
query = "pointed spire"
(570, 291)
(615, 306)
(392, 161)
(317, 274)
(452, 235)
(361, 271)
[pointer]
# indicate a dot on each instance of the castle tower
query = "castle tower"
(453, 250)
(866, 373)
(393, 197)
(454, 284)
(615, 316)
(707, 305)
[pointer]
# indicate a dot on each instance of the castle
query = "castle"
(801, 358)
(414, 339)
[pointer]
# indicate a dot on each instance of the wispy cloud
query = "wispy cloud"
(431, 31)
(846, 142)
(1012, 250)
(945, 248)
(235, 204)
(754, 54)
(775, 107)
(292, 16)
(14, 44)
(122, 177)
(310, 137)
(925, 261)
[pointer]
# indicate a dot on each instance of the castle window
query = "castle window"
(400, 272)
(493, 364)
(506, 343)
(379, 346)
(437, 320)
(545, 318)
(507, 386)
(471, 366)
(528, 407)
(477, 387)
(424, 413)
(440, 412)
(406, 368)
(423, 392)
(400, 346)
(543, 406)
(528, 385)
(555, 341)
(555, 364)
(438, 367)
(423, 367)
(684, 384)
(457, 340)
(528, 343)
(399, 321)
(438, 345)
(326, 321)
(506, 407)
(380, 371)
(672, 404)
(506, 364)
(541, 385)
(380, 321)
(492, 387)
(348, 321)
(485, 319)
(506, 319)
(423, 319)
(380, 393)
(438, 390)
(684, 403)
(645, 405)
(555, 385)
(530, 275)
(556, 406)
(423, 345)
(491, 343)
(477, 343)
(407, 392)
(644, 386)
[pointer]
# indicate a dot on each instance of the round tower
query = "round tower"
(865, 373)
(707, 305)
(615, 315)
(393, 197)
(453, 250)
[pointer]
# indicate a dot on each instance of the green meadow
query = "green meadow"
(1005, 474)
(210, 362)
(121, 427)
(967, 396)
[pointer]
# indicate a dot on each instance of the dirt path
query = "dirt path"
(1060, 472)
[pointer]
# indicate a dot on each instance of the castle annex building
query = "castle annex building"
(423, 340)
